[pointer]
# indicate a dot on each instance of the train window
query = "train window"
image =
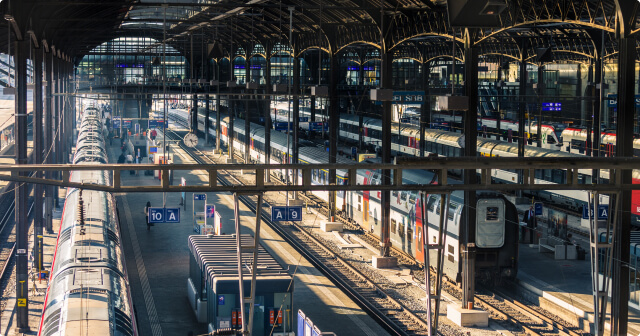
(409, 231)
(314, 175)
(558, 176)
(401, 229)
(359, 198)
(393, 226)
(394, 193)
(403, 196)
(431, 203)
(412, 197)
(419, 239)
(493, 214)
(453, 206)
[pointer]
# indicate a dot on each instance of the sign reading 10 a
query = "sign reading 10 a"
(164, 215)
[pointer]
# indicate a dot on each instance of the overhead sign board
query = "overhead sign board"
(552, 106)
(164, 215)
(199, 197)
(612, 100)
(286, 213)
(603, 212)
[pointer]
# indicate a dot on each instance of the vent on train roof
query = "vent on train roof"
(123, 323)
(52, 323)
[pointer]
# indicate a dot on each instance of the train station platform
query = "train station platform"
(158, 263)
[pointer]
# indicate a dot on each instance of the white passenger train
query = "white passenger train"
(89, 291)
(497, 217)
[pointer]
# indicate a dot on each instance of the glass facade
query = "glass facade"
(129, 60)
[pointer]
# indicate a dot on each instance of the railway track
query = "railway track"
(392, 315)
(504, 308)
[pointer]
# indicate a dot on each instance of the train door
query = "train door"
(419, 235)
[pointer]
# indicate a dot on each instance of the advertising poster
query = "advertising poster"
(557, 224)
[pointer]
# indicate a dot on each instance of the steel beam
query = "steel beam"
(55, 141)
(296, 117)
(247, 112)
(425, 109)
(193, 124)
(522, 139)
(38, 144)
(21, 191)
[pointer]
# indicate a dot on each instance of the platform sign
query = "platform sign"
(603, 212)
(303, 119)
(279, 213)
(538, 209)
(153, 124)
(210, 211)
(199, 197)
(317, 126)
(172, 215)
(153, 149)
(612, 100)
(552, 106)
(281, 126)
(127, 124)
(294, 213)
(116, 122)
(156, 215)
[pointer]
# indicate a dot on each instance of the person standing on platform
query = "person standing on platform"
(530, 219)
(146, 213)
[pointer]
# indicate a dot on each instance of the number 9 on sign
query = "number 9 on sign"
(295, 213)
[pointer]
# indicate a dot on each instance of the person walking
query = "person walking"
(146, 213)
(530, 218)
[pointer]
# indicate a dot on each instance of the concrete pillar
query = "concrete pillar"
(21, 190)
(38, 144)
(470, 150)
(48, 136)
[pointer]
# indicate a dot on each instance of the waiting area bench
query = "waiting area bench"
(558, 248)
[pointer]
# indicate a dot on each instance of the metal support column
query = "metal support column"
(385, 200)
(218, 127)
(597, 101)
(267, 119)
(48, 139)
(55, 141)
(624, 148)
(425, 109)
(522, 92)
(21, 190)
(38, 144)
(296, 118)
(470, 151)
(540, 100)
(193, 122)
(247, 323)
(247, 112)
(334, 115)
(207, 123)
(438, 246)
(231, 105)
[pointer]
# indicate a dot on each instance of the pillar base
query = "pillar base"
(384, 262)
(467, 317)
(231, 161)
(23, 330)
(217, 151)
(331, 226)
(295, 202)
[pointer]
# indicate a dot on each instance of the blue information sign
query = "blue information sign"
(210, 210)
(317, 126)
(126, 124)
(156, 215)
(552, 106)
(294, 213)
(116, 122)
(286, 213)
(613, 100)
(281, 126)
(153, 124)
(538, 209)
(199, 197)
(278, 213)
(172, 215)
(303, 119)
(603, 212)
(220, 300)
